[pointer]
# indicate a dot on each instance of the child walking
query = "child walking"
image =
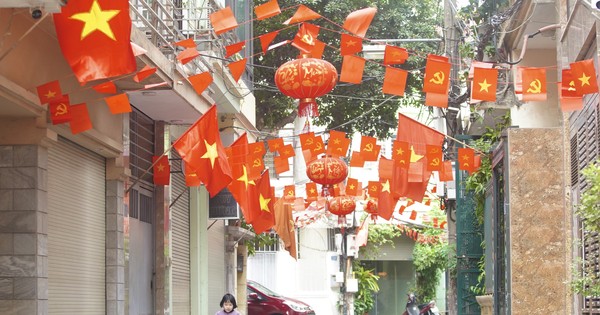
(229, 305)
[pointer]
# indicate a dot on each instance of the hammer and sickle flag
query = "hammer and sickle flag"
(306, 37)
(437, 73)
(534, 84)
(434, 157)
(369, 149)
(94, 36)
(60, 112)
(570, 98)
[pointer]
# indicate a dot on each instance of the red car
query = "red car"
(262, 301)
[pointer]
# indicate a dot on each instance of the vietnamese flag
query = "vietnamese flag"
(287, 151)
(94, 38)
(352, 187)
(485, 82)
(437, 75)
(275, 144)
(358, 22)
(49, 92)
(311, 191)
(350, 45)
(338, 144)
(393, 55)
(201, 148)
(262, 209)
(401, 154)
(241, 182)
(352, 69)
(386, 201)
(534, 84)
(394, 81)
(161, 170)
(60, 110)
(466, 159)
(267, 10)
(584, 74)
(223, 20)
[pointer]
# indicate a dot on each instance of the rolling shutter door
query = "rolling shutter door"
(180, 234)
(76, 231)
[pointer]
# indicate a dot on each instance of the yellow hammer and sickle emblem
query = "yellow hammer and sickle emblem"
(571, 86)
(307, 38)
(402, 161)
(290, 193)
(318, 146)
(535, 86)
(369, 147)
(436, 150)
(374, 188)
(438, 78)
(61, 109)
(309, 141)
(257, 163)
(435, 162)
(257, 150)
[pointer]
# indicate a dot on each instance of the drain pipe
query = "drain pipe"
(526, 37)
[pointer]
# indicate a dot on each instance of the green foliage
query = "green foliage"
(259, 240)
(430, 260)
(587, 280)
(379, 235)
(367, 286)
(395, 19)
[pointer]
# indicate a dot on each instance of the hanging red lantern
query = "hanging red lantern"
(327, 171)
(371, 208)
(342, 205)
(306, 79)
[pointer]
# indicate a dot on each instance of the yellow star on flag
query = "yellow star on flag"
(264, 203)
(585, 80)
(386, 186)
(211, 153)
(400, 152)
(414, 157)
(96, 20)
(484, 85)
(244, 178)
(160, 167)
(50, 94)
(350, 43)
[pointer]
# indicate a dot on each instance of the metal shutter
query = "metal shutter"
(180, 236)
(76, 230)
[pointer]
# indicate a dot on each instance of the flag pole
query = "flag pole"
(137, 180)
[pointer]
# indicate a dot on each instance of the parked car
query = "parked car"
(262, 301)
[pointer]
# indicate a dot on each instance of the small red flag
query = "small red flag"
(232, 49)
(369, 149)
(108, 87)
(94, 36)
(466, 159)
(289, 191)
(191, 179)
(436, 99)
(186, 43)
(305, 37)
(356, 160)
(338, 144)
(584, 73)
(485, 82)
(223, 20)
(352, 187)
(437, 73)
(144, 73)
(358, 22)
(237, 69)
(569, 98)
(266, 39)
(201, 81)
(401, 154)
(447, 172)
(352, 69)
(267, 10)
(350, 45)
(281, 164)
(434, 157)
(318, 49)
(311, 191)
(161, 170)
(49, 91)
(287, 151)
(263, 200)
(60, 110)
(118, 104)
(302, 14)
(534, 84)
(393, 55)
(394, 81)
(80, 119)
(373, 189)
(275, 144)
(187, 55)
(413, 215)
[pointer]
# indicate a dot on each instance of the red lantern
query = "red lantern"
(327, 171)
(306, 79)
(342, 205)
(371, 208)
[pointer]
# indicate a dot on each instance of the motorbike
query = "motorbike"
(414, 308)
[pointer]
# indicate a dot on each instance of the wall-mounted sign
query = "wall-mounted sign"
(223, 206)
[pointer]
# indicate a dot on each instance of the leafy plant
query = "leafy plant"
(587, 280)
(379, 235)
(367, 286)
(430, 260)
(260, 240)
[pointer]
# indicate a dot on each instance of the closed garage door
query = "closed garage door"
(76, 231)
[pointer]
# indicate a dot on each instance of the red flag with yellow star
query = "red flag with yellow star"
(94, 38)
(49, 92)
(201, 148)
(161, 170)
(241, 183)
(350, 45)
(386, 202)
(584, 74)
(312, 193)
(485, 82)
(401, 154)
(466, 159)
(352, 187)
(338, 144)
(262, 209)
(394, 55)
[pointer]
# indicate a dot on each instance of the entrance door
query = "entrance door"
(141, 258)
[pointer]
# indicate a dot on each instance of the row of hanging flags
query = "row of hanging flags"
(94, 36)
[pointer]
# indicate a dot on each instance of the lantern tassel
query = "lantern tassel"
(308, 107)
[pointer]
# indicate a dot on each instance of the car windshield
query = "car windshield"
(263, 289)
